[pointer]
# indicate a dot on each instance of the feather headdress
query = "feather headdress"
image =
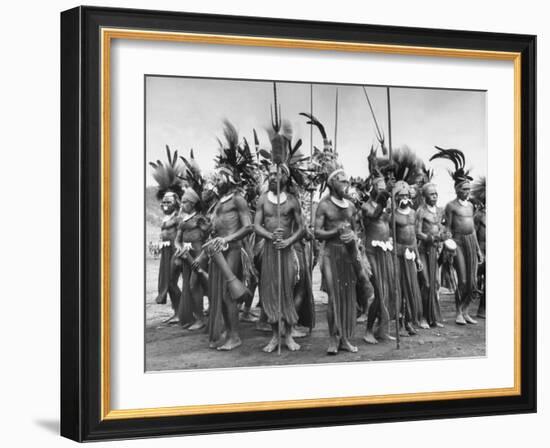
(324, 163)
(192, 176)
(404, 165)
(167, 175)
(235, 159)
(479, 189)
(293, 161)
(460, 174)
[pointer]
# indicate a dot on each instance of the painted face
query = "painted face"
(168, 204)
(339, 185)
(430, 196)
(403, 200)
(463, 191)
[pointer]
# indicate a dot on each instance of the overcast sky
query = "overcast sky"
(187, 113)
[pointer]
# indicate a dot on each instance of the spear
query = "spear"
(395, 280)
(278, 158)
(336, 120)
(379, 134)
(256, 145)
(311, 190)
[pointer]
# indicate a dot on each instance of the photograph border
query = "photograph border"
(86, 37)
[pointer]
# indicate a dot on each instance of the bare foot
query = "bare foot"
(385, 337)
(247, 316)
(272, 345)
(220, 341)
(291, 344)
(424, 325)
(263, 326)
(197, 325)
(348, 346)
(460, 319)
(362, 318)
(172, 319)
(230, 344)
(469, 319)
(369, 338)
(215, 344)
(295, 333)
(332, 347)
(439, 325)
(410, 329)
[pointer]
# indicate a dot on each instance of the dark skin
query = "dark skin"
(405, 224)
(459, 218)
(193, 231)
(376, 222)
(429, 231)
(405, 228)
(168, 231)
(429, 228)
(231, 222)
(168, 228)
(336, 223)
(282, 235)
(376, 219)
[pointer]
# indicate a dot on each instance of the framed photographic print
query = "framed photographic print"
(273, 223)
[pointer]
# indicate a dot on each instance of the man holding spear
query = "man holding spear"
(278, 221)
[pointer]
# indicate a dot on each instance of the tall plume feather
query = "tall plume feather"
(456, 156)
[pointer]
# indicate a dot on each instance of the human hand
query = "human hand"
(218, 244)
(282, 244)
(277, 234)
(347, 237)
(479, 258)
(419, 265)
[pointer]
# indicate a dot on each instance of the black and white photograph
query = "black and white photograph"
(293, 223)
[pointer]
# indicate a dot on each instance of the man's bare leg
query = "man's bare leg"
(233, 340)
(332, 346)
(274, 341)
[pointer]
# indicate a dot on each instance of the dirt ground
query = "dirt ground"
(169, 347)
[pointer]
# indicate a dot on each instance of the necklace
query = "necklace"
(342, 203)
(432, 209)
(273, 197)
(226, 198)
(189, 216)
(405, 211)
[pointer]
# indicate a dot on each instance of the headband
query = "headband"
(334, 173)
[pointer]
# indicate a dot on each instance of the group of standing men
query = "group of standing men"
(247, 231)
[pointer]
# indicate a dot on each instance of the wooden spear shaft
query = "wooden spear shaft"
(395, 279)
(279, 261)
(311, 191)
